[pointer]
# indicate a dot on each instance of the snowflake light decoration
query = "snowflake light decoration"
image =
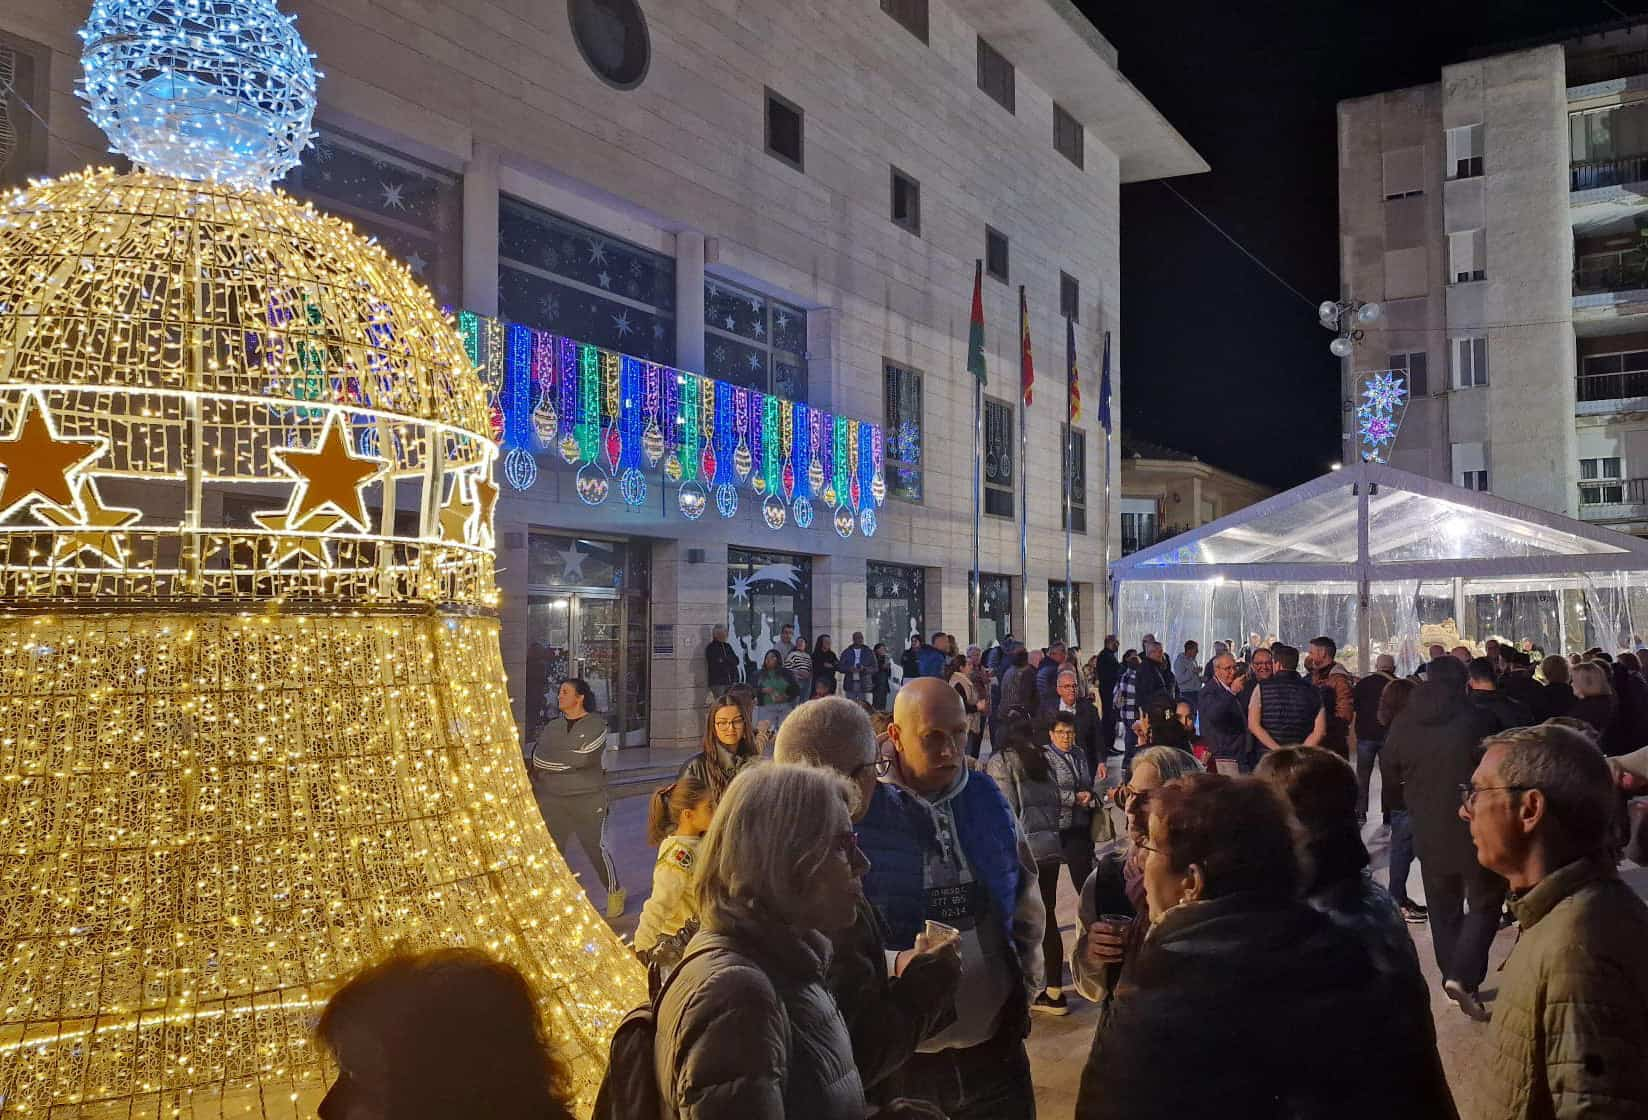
(1377, 429)
(217, 90)
(1384, 392)
(1384, 401)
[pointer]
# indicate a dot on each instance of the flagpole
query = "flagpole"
(974, 586)
(1106, 421)
(1071, 395)
(1024, 479)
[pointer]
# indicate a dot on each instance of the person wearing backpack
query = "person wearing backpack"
(745, 1028)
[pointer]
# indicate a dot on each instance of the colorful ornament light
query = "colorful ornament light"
(843, 522)
(772, 512)
(633, 487)
(802, 510)
(520, 469)
(1379, 412)
(867, 522)
(726, 499)
(592, 485)
(320, 764)
(691, 501)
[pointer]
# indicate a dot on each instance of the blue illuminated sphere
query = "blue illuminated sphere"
(520, 469)
(220, 90)
(803, 511)
(726, 499)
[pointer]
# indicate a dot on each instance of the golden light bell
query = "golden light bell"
(254, 731)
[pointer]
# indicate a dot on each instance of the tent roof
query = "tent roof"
(1371, 521)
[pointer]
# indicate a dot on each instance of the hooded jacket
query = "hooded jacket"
(748, 1031)
(1433, 748)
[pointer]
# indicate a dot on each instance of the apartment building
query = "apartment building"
(1500, 216)
(783, 196)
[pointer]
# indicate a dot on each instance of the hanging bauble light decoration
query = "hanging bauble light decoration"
(545, 422)
(520, 468)
(758, 483)
(691, 501)
(592, 484)
(829, 495)
(569, 448)
(672, 467)
(802, 510)
(772, 511)
(843, 522)
(495, 418)
(742, 461)
(726, 499)
(633, 487)
(878, 487)
(652, 443)
(815, 475)
(707, 460)
(614, 447)
(867, 521)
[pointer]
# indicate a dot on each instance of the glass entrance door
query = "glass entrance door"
(574, 634)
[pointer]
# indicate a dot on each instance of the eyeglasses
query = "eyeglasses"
(1468, 793)
(1063, 732)
(847, 844)
(729, 724)
(882, 767)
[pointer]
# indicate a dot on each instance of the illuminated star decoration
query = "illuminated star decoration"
(1384, 392)
(486, 497)
(459, 513)
(1377, 429)
(311, 544)
(392, 195)
(572, 562)
(91, 531)
(40, 464)
(329, 475)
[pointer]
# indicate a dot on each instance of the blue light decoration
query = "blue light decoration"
(1379, 413)
(520, 469)
(707, 439)
(867, 523)
(214, 90)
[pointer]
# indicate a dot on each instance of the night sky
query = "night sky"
(1219, 359)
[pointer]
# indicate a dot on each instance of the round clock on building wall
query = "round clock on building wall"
(612, 37)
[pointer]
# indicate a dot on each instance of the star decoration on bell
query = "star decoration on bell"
(38, 463)
(311, 543)
(330, 474)
(89, 526)
(486, 497)
(459, 514)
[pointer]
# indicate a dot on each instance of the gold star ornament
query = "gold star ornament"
(312, 544)
(486, 496)
(92, 530)
(330, 475)
(38, 463)
(459, 514)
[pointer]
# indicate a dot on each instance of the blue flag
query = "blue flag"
(1104, 387)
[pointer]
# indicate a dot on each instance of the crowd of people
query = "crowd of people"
(852, 915)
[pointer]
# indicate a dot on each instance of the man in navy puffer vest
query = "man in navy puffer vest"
(946, 848)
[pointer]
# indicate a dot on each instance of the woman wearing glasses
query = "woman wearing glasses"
(729, 746)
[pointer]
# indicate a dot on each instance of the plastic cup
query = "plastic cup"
(939, 935)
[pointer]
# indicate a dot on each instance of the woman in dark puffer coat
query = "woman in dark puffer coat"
(746, 1029)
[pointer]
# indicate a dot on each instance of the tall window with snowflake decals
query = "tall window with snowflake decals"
(754, 340)
(562, 276)
(415, 210)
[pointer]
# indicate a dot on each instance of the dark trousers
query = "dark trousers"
(580, 817)
(1367, 754)
(990, 1081)
(1401, 854)
(1075, 853)
(975, 740)
(1462, 939)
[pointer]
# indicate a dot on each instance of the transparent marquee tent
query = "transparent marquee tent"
(1387, 562)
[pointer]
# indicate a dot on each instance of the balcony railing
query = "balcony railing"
(1613, 492)
(1584, 175)
(1621, 271)
(1607, 68)
(1612, 386)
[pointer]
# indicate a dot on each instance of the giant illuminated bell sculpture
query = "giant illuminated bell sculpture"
(253, 723)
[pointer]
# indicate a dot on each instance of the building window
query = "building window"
(559, 275)
(1415, 365)
(896, 605)
(784, 130)
(1470, 362)
(999, 450)
(1607, 482)
(1067, 135)
(766, 591)
(754, 340)
(1069, 297)
(1074, 478)
(1609, 377)
(22, 136)
(903, 429)
(413, 209)
(995, 254)
(1465, 151)
(995, 608)
(1404, 173)
(612, 37)
(995, 76)
(906, 202)
(1060, 628)
(1474, 480)
(1466, 252)
(910, 14)
(1140, 524)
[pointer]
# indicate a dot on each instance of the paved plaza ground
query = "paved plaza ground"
(1058, 1046)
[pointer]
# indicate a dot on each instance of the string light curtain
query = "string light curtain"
(620, 418)
(241, 758)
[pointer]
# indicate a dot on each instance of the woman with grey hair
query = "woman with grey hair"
(1596, 703)
(746, 1028)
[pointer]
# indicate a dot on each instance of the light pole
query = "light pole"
(1346, 318)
